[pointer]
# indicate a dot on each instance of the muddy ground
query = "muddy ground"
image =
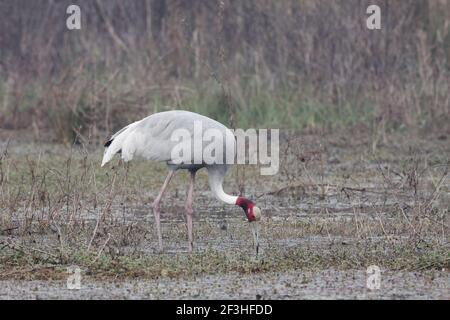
(325, 284)
(338, 205)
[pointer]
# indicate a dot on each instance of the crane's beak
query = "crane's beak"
(254, 225)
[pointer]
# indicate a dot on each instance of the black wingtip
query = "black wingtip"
(107, 143)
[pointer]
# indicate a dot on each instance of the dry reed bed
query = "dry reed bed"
(290, 64)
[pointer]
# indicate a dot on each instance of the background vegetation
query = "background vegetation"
(288, 64)
(353, 188)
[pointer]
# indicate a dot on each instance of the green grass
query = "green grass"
(81, 104)
(403, 257)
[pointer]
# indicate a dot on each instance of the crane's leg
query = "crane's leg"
(156, 207)
(188, 208)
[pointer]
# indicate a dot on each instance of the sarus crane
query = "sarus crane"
(151, 138)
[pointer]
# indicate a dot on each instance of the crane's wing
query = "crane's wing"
(152, 137)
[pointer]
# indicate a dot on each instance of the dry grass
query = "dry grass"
(289, 64)
(331, 206)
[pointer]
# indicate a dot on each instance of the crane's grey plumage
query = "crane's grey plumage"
(150, 138)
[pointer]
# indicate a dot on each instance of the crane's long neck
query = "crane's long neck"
(215, 182)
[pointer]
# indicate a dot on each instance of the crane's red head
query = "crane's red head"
(252, 212)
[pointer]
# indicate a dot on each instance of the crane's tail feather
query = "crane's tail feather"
(114, 144)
